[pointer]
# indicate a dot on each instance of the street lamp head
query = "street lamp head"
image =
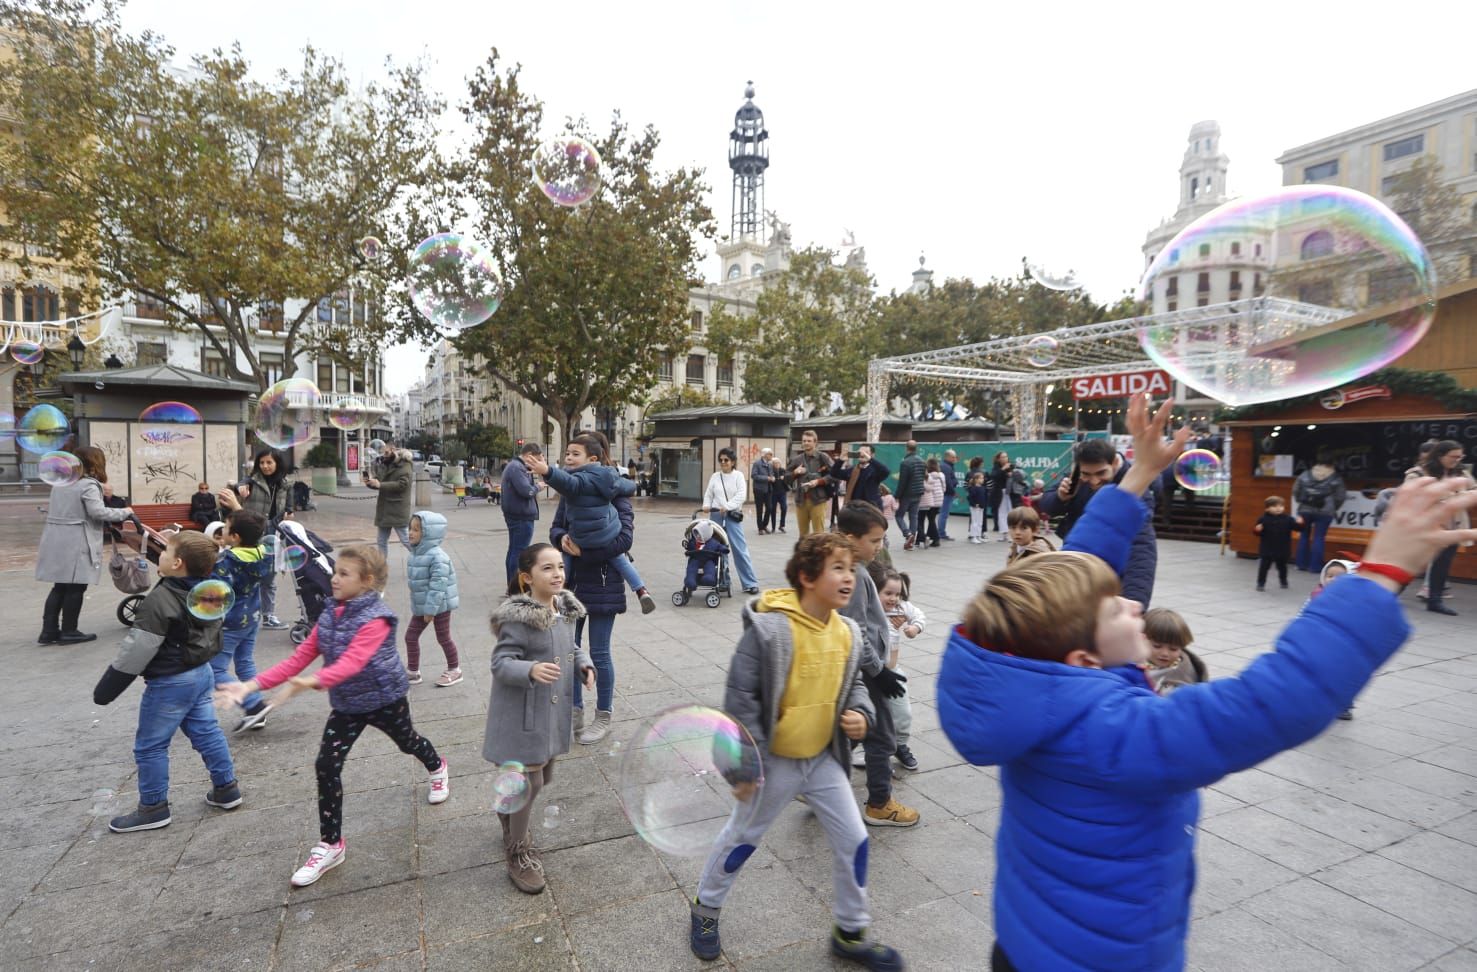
(76, 349)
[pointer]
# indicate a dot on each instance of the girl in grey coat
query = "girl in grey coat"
(531, 713)
(266, 492)
(71, 551)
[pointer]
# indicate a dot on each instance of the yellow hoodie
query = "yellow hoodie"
(807, 713)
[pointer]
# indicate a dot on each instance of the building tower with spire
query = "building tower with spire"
(1202, 185)
(748, 157)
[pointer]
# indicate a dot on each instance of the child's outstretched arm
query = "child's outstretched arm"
(743, 700)
(138, 649)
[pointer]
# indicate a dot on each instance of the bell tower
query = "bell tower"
(748, 157)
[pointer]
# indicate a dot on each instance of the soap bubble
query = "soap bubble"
(177, 412)
(286, 416)
(295, 557)
(552, 817)
(1327, 284)
(27, 352)
(1053, 281)
(370, 248)
(210, 600)
(1197, 469)
(102, 801)
(567, 169)
(7, 425)
(377, 446)
(454, 282)
(1041, 351)
(675, 778)
(59, 469)
(42, 429)
(348, 415)
(510, 787)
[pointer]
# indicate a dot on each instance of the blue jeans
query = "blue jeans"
(520, 535)
(238, 644)
(740, 548)
(601, 626)
(907, 515)
(383, 540)
(178, 702)
(1310, 543)
(944, 517)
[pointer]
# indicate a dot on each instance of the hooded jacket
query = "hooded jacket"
(428, 570)
(396, 477)
(527, 721)
(165, 639)
(1095, 849)
(245, 569)
(760, 667)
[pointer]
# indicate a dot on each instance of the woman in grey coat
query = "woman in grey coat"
(71, 552)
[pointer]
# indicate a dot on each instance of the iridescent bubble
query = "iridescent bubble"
(295, 557)
(7, 425)
(676, 776)
(42, 429)
(287, 415)
(1294, 292)
(370, 248)
(176, 412)
(454, 281)
(210, 600)
(1197, 469)
(59, 469)
(269, 544)
(27, 352)
(552, 817)
(348, 415)
(1041, 351)
(1053, 281)
(510, 787)
(377, 446)
(567, 169)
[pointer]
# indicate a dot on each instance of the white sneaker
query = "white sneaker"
(321, 859)
(440, 784)
(415, 677)
(272, 621)
(449, 677)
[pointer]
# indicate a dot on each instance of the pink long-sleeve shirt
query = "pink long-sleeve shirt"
(361, 648)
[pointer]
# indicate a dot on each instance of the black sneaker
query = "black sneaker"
(254, 719)
(82, 637)
(1261, 587)
(226, 797)
(704, 935)
(1347, 714)
(149, 816)
(906, 758)
(48, 637)
(873, 955)
(1435, 607)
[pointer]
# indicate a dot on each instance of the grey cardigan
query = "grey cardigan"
(71, 549)
(527, 721)
(761, 666)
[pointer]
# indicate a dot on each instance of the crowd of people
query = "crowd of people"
(817, 680)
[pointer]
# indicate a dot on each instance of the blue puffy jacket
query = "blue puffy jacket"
(245, 569)
(588, 492)
(430, 573)
(1095, 852)
(597, 584)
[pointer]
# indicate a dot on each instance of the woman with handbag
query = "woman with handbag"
(724, 501)
(71, 549)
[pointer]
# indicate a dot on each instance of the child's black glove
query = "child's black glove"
(891, 683)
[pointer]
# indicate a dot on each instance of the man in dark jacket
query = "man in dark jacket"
(520, 505)
(1097, 464)
(911, 475)
(393, 475)
(951, 490)
(761, 476)
(861, 479)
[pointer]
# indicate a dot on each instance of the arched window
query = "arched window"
(756, 270)
(734, 271)
(1318, 244)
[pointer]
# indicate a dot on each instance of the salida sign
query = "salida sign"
(1154, 383)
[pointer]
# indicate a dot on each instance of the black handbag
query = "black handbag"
(737, 516)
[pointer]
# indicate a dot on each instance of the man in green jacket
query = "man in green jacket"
(393, 474)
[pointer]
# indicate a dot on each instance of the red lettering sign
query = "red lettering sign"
(1154, 383)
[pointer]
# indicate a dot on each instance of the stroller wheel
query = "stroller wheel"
(299, 632)
(681, 597)
(128, 609)
(712, 600)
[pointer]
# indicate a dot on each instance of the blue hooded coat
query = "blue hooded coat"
(1095, 851)
(430, 573)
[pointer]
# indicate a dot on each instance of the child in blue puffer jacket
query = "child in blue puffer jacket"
(589, 488)
(433, 596)
(1095, 849)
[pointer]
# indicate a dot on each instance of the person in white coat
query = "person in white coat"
(724, 502)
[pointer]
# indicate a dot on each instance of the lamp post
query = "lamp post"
(77, 350)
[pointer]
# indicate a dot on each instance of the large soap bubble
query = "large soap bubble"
(1300, 290)
(454, 282)
(175, 412)
(287, 415)
(44, 428)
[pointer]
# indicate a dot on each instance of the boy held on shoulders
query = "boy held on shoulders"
(172, 648)
(1095, 849)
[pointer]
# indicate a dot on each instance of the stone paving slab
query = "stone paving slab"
(1357, 851)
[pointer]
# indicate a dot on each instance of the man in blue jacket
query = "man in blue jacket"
(520, 505)
(1095, 849)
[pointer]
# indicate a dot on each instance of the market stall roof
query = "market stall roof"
(165, 375)
(740, 411)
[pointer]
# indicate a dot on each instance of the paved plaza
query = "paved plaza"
(1357, 851)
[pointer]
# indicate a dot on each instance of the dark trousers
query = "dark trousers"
(907, 515)
(1266, 565)
(928, 524)
(520, 535)
(1440, 570)
(765, 508)
(879, 745)
(779, 507)
(339, 734)
(999, 962)
(63, 606)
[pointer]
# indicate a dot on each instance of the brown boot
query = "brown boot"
(524, 868)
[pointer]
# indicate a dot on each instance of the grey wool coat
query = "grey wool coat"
(527, 721)
(71, 549)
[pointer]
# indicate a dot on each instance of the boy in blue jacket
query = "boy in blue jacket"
(1095, 851)
(590, 487)
(245, 565)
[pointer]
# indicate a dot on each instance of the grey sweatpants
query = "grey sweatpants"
(902, 717)
(827, 790)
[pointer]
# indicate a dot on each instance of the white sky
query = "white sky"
(973, 133)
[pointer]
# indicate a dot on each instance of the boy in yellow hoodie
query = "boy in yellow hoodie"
(795, 683)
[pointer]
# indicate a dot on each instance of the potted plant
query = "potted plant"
(322, 466)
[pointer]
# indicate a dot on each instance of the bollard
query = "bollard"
(422, 489)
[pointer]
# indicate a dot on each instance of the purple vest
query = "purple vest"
(381, 681)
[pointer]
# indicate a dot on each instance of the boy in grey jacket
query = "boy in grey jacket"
(795, 685)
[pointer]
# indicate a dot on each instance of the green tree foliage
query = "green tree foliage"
(811, 335)
(486, 441)
(594, 296)
(680, 396)
(214, 195)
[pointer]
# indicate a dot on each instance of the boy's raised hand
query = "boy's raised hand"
(1413, 529)
(537, 463)
(854, 724)
(1152, 452)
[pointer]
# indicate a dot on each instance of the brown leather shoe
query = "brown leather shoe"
(525, 870)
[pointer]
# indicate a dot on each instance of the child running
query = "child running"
(1095, 849)
(904, 621)
(244, 565)
(366, 686)
(795, 684)
(589, 486)
(531, 713)
(171, 648)
(433, 596)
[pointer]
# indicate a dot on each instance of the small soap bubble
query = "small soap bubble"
(1197, 469)
(567, 169)
(176, 412)
(370, 248)
(210, 600)
(59, 469)
(1041, 351)
(552, 817)
(295, 557)
(1053, 281)
(27, 352)
(510, 787)
(348, 415)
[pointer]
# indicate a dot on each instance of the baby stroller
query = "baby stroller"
(706, 545)
(310, 579)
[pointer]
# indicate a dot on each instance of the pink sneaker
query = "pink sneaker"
(440, 784)
(321, 859)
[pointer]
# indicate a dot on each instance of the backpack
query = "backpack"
(191, 654)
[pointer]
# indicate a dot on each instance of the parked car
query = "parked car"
(433, 466)
(417, 456)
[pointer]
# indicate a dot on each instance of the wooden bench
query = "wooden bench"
(158, 516)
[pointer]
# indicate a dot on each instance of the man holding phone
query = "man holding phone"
(810, 469)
